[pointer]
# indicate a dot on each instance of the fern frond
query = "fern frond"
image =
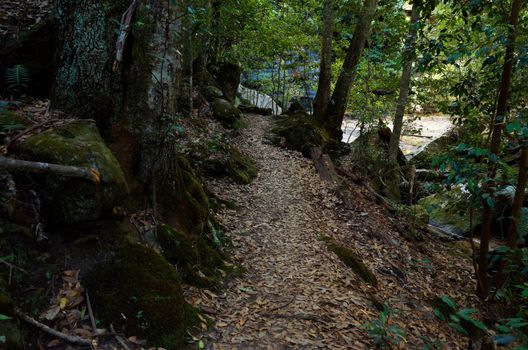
(17, 76)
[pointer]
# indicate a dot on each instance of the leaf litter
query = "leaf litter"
(295, 293)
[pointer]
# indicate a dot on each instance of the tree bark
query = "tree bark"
(337, 105)
(408, 60)
(496, 136)
(325, 68)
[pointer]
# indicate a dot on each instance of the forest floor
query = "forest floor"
(295, 293)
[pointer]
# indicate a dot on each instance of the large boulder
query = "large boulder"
(441, 145)
(139, 292)
(212, 92)
(227, 76)
(68, 200)
(248, 108)
(225, 112)
(449, 210)
(300, 132)
(229, 161)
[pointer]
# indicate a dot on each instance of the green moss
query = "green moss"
(139, 291)
(211, 92)
(299, 132)
(239, 166)
(72, 200)
(352, 260)
(376, 302)
(198, 261)
(225, 112)
(10, 120)
(192, 203)
(440, 146)
(227, 160)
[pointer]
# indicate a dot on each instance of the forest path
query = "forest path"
(294, 293)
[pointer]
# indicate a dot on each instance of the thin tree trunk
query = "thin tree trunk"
(284, 87)
(325, 68)
(408, 59)
(337, 105)
(496, 135)
(518, 200)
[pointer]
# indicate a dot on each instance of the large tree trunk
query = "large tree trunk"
(338, 103)
(127, 104)
(496, 136)
(408, 59)
(325, 69)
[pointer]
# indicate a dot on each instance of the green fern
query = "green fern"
(17, 77)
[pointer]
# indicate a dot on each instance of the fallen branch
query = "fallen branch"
(300, 316)
(39, 167)
(118, 338)
(13, 266)
(27, 131)
(72, 339)
(283, 305)
(90, 313)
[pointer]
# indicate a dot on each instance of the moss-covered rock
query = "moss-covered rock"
(139, 292)
(249, 108)
(211, 92)
(299, 132)
(225, 112)
(188, 207)
(198, 262)
(441, 145)
(239, 166)
(227, 75)
(71, 200)
(352, 260)
(229, 161)
(450, 209)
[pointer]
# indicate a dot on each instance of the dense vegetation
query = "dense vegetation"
(119, 117)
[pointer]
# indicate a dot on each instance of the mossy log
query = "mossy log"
(352, 260)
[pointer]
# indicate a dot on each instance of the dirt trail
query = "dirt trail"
(295, 293)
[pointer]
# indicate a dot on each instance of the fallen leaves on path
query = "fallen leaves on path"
(297, 294)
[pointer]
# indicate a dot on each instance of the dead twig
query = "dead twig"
(284, 305)
(13, 266)
(118, 338)
(27, 131)
(300, 316)
(90, 313)
(72, 339)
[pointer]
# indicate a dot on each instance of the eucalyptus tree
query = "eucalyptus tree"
(336, 106)
(408, 60)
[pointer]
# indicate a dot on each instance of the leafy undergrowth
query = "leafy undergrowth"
(297, 292)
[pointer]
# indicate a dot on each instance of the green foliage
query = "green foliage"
(385, 333)
(461, 320)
